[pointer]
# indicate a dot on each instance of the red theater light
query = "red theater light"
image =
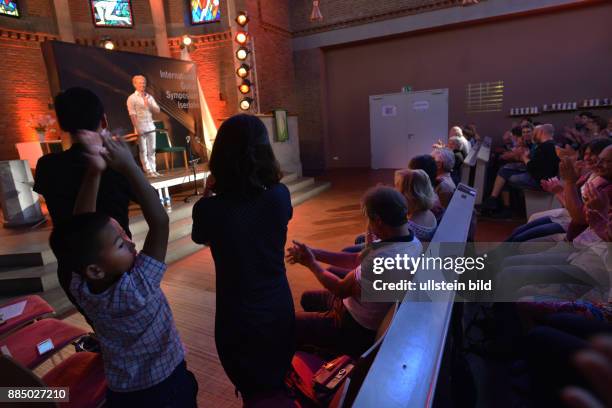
(245, 86)
(241, 37)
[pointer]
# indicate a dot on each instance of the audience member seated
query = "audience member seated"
(581, 269)
(337, 319)
(553, 224)
(427, 163)
(455, 145)
(416, 187)
(457, 133)
(541, 164)
(445, 186)
(119, 289)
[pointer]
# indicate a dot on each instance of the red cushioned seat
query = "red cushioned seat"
(83, 374)
(35, 308)
(22, 343)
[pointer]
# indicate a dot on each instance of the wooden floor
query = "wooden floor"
(330, 220)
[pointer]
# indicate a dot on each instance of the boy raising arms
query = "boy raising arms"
(119, 289)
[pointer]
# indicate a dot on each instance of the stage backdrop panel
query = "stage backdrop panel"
(109, 74)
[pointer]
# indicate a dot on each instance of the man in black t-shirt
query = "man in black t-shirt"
(59, 175)
(542, 163)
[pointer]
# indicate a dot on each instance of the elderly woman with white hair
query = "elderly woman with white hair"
(456, 132)
(445, 186)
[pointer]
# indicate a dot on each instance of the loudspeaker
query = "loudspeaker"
(20, 206)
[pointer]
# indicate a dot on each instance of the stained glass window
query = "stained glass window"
(112, 13)
(204, 11)
(9, 8)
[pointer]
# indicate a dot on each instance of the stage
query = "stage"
(178, 177)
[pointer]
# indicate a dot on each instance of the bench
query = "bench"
(405, 370)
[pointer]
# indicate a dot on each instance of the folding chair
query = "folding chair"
(35, 308)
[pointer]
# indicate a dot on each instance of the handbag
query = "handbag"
(329, 377)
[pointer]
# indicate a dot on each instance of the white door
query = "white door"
(404, 125)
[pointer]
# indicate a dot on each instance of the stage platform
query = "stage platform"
(27, 264)
(177, 177)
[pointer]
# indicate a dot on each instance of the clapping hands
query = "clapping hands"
(300, 253)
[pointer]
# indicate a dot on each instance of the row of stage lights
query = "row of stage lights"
(242, 53)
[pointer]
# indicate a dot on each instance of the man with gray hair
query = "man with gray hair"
(541, 164)
(141, 106)
(445, 186)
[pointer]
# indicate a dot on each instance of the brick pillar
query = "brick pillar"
(64, 21)
(159, 22)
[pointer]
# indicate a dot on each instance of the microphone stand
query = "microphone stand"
(193, 164)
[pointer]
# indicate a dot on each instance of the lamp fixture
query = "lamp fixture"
(246, 103)
(243, 71)
(242, 19)
(241, 37)
(107, 43)
(242, 53)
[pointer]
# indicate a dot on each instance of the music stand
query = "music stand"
(193, 164)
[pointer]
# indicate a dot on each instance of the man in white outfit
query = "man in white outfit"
(140, 106)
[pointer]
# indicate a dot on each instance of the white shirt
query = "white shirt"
(371, 314)
(144, 118)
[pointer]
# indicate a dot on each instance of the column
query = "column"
(64, 22)
(159, 22)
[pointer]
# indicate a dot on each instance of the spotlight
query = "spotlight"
(245, 104)
(242, 18)
(245, 86)
(242, 53)
(241, 37)
(187, 41)
(243, 71)
(107, 43)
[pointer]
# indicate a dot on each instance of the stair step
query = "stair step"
(288, 178)
(303, 195)
(299, 184)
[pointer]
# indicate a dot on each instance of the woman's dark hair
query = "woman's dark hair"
(242, 161)
(427, 163)
(78, 108)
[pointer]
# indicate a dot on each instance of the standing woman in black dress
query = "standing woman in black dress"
(245, 225)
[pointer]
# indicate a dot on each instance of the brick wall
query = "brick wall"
(213, 58)
(36, 16)
(269, 27)
(24, 91)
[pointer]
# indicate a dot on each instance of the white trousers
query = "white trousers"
(146, 145)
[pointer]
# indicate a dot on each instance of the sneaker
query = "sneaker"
(157, 174)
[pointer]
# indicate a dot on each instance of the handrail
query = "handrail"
(405, 371)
